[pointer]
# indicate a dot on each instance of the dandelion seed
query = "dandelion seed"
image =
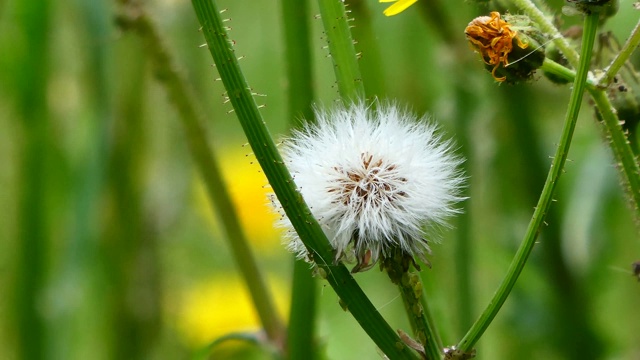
(376, 180)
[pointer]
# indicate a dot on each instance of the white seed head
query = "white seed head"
(374, 180)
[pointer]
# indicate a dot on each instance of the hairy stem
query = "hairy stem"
(520, 259)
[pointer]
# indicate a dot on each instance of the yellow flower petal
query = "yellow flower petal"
(398, 7)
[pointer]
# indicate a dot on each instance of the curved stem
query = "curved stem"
(478, 328)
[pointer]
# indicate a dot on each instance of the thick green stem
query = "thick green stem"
(343, 54)
(304, 223)
(557, 166)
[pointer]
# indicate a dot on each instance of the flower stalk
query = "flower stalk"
(625, 158)
(397, 267)
(557, 166)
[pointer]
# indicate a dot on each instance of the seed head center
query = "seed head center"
(371, 183)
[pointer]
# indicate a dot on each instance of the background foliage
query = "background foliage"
(108, 246)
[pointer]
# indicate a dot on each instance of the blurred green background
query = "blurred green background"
(109, 248)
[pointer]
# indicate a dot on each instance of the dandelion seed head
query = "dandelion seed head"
(374, 180)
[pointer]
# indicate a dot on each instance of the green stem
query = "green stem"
(192, 120)
(546, 26)
(411, 291)
(624, 54)
(419, 316)
(557, 166)
(343, 54)
(397, 266)
(436, 340)
(304, 223)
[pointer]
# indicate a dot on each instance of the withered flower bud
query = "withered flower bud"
(509, 46)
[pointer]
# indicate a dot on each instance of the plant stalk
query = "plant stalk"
(557, 166)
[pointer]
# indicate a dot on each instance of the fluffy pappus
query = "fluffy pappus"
(375, 179)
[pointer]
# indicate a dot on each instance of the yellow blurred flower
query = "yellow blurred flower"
(248, 188)
(220, 306)
(398, 6)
